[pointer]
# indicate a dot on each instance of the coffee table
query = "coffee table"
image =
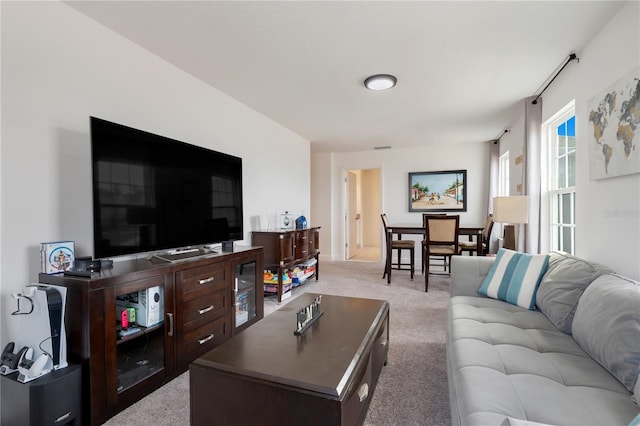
(267, 375)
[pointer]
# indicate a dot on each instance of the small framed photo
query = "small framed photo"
(442, 191)
(57, 257)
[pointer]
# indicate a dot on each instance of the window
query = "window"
(561, 133)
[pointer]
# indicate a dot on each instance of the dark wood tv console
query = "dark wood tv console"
(205, 301)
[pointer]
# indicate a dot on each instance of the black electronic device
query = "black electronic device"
(83, 274)
(9, 361)
(53, 399)
(153, 193)
(7, 354)
(86, 264)
(86, 267)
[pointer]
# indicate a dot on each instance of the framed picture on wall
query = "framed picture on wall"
(443, 191)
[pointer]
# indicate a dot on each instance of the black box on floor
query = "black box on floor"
(53, 399)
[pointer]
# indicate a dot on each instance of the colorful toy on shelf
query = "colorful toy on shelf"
(271, 281)
(271, 278)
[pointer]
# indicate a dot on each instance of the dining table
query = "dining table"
(417, 229)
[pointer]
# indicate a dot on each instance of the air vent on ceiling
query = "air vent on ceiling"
(382, 147)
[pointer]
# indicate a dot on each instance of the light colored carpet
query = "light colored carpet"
(412, 389)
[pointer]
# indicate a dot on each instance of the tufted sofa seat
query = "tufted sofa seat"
(510, 365)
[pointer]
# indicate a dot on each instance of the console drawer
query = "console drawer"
(195, 282)
(202, 340)
(359, 394)
(199, 311)
(380, 348)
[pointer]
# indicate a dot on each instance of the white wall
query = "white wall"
(395, 165)
(608, 210)
(321, 176)
(58, 68)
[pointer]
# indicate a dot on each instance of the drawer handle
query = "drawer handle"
(205, 340)
(206, 280)
(363, 392)
(205, 310)
(170, 315)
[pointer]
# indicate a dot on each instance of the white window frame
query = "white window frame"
(554, 206)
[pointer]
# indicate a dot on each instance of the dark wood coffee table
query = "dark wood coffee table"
(266, 375)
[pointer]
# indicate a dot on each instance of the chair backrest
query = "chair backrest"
(443, 230)
(385, 224)
(426, 215)
(385, 221)
(488, 226)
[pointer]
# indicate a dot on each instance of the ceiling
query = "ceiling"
(463, 67)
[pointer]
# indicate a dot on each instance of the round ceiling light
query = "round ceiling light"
(380, 82)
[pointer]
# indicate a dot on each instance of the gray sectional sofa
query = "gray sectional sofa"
(573, 360)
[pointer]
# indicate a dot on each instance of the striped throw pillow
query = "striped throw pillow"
(514, 277)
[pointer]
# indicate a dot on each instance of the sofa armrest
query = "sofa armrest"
(467, 274)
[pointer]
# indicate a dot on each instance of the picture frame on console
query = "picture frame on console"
(438, 191)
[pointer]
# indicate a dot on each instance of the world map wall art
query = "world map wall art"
(614, 129)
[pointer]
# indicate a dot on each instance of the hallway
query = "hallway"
(367, 254)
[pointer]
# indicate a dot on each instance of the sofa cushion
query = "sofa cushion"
(610, 332)
(514, 277)
(563, 284)
(506, 361)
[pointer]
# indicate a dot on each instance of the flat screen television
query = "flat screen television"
(152, 193)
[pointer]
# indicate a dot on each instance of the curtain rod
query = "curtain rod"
(496, 140)
(572, 57)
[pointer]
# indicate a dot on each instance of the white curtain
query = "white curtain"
(529, 235)
(494, 170)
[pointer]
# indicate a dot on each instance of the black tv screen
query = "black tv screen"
(153, 193)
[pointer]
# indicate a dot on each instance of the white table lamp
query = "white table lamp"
(511, 210)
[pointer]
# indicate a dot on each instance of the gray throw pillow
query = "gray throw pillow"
(607, 326)
(562, 285)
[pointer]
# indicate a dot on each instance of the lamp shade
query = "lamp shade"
(511, 209)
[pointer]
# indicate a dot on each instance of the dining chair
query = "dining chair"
(442, 233)
(424, 242)
(472, 246)
(397, 245)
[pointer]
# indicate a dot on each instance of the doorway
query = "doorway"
(362, 195)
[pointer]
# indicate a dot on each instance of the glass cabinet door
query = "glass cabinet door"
(140, 335)
(245, 293)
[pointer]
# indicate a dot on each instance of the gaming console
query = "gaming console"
(43, 336)
(144, 308)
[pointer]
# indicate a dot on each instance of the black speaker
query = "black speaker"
(53, 399)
